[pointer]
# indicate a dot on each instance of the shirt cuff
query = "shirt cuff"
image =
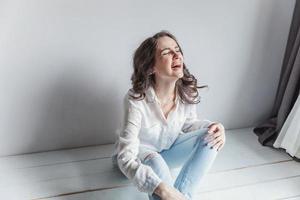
(146, 179)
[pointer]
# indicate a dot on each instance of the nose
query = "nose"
(176, 54)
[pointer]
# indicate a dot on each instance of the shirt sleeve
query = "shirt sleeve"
(192, 121)
(142, 175)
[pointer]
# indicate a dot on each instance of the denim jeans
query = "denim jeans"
(190, 152)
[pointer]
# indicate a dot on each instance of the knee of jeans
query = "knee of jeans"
(201, 137)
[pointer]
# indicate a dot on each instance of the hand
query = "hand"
(166, 192)
(216, 136)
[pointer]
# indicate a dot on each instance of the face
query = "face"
(168, 60)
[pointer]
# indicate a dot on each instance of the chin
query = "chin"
(180, 75)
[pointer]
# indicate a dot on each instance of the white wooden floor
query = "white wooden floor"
(243, 170)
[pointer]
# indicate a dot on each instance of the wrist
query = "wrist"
(160, 190)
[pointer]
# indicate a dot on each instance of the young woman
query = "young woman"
(161, 129)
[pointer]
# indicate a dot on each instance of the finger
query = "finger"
(221, 146)
(218, 144)
(213, 142)
(213, 128)
(217, 133)
(209, 137)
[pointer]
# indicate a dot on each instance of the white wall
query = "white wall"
(65, 65)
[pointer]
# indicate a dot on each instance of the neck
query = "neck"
(165, 90)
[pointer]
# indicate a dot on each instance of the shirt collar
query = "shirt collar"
(151, 95)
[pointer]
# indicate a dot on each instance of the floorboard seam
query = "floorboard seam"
(239, 186)
(80, 192)
(59, 163)
(291, 197)
(250, 166)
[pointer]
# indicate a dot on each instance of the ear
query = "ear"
(154, 69)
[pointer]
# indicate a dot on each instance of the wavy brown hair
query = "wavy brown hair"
(143, 76)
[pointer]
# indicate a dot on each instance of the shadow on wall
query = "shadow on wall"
(78, 110)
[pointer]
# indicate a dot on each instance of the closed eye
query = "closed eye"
(166, 53)
(169, 52)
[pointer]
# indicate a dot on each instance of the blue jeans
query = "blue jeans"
(190, 152)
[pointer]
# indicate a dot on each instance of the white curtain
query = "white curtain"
(289, 136)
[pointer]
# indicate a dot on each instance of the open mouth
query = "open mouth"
(176, 66)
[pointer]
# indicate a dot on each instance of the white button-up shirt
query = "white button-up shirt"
(145, 130)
